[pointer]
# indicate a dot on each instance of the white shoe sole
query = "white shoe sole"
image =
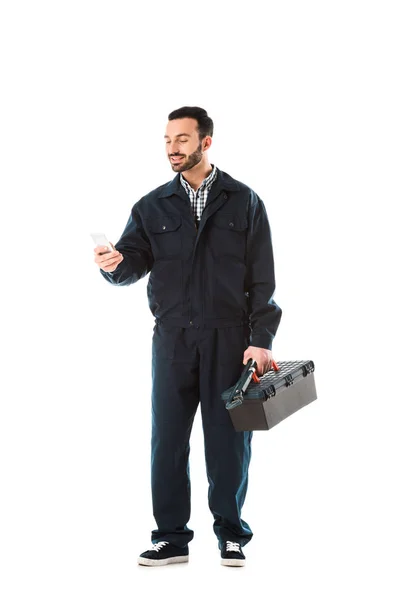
(233, 562)
(150, 562)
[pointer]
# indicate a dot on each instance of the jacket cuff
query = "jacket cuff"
(261, 340)
(109, 275)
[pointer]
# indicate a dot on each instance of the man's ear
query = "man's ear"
(208, 141)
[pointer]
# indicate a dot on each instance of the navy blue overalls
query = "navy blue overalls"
(211, 293)
(190, 366)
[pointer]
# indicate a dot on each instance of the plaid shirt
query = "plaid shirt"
(198, 198)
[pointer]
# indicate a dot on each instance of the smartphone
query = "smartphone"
(101, 240)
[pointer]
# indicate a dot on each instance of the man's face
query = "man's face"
(182, 142)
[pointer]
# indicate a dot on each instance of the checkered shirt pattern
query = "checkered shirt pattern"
(198, 198)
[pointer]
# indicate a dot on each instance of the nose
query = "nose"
(173, 150)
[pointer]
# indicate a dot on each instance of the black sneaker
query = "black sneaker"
(163, 553)
(232, 555)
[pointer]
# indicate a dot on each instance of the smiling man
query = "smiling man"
(205, 239)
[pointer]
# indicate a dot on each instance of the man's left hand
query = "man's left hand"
(262, 356)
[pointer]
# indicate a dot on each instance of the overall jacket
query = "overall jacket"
(221, 274)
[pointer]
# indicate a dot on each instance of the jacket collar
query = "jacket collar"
(223, 181)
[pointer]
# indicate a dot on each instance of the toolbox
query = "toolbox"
(261, 403)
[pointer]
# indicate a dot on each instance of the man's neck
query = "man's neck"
(197, 174)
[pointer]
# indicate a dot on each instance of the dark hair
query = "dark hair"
(205, 126)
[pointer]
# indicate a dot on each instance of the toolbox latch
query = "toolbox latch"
(308, 368)
(289, 380)
(269, 392)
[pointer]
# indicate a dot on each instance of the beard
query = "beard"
(191, 161)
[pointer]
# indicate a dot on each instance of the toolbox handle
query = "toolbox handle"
(255, 377)
(248, 373)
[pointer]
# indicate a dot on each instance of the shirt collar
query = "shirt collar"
(207, 182)
(223, 181)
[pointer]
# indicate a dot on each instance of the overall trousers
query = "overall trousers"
(192, 366)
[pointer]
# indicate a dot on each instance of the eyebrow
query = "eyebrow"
(179, 134)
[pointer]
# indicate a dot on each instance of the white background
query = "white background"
(305, 102)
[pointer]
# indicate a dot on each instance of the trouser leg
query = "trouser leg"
(174, 402)
(227, 452)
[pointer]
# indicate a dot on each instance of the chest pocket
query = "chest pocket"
(227, 235)
(166, 236)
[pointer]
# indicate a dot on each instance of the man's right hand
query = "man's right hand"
(107, 261)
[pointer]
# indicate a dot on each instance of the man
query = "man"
(204, 237)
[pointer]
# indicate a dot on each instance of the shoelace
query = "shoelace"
(232, 546)
(158, 545)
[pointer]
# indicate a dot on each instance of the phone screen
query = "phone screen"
(100, 239)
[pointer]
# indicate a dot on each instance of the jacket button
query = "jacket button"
(164, 227)
(231, 224)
